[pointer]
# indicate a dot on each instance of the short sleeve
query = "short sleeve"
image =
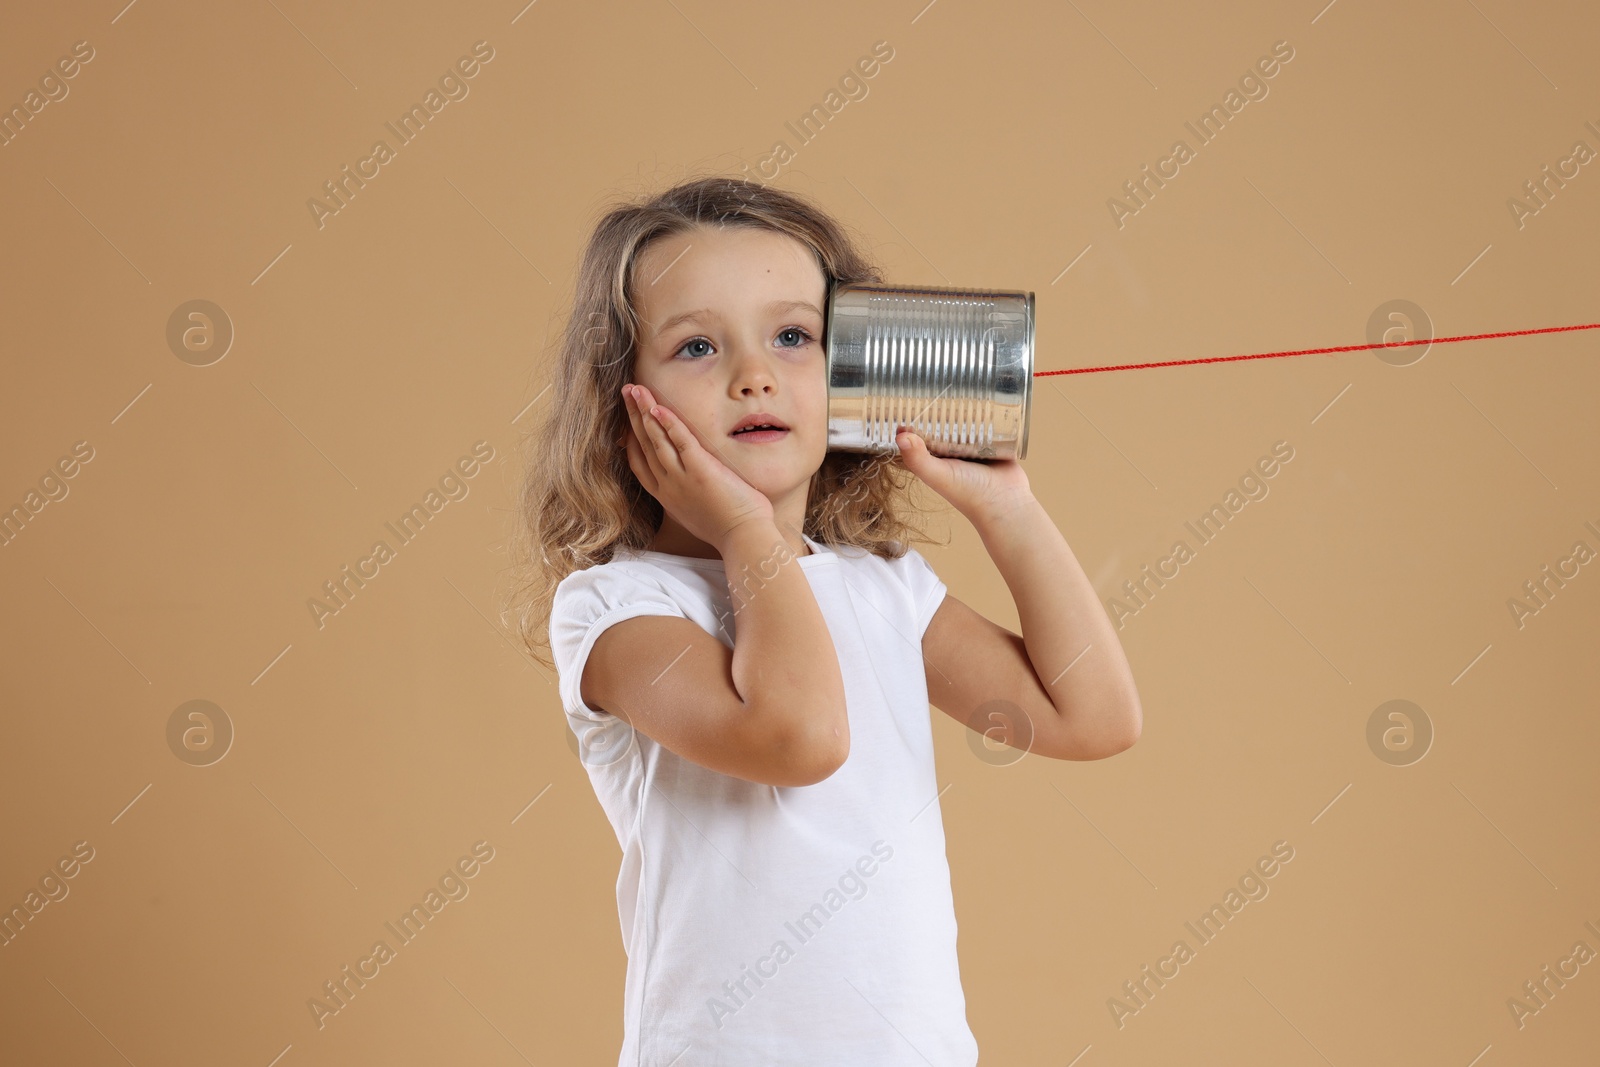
(585, 604)
(927, 590)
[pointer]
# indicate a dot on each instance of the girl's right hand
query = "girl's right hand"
(693, 485)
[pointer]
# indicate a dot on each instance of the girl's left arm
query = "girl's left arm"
(1071, 644)
(1066, 672)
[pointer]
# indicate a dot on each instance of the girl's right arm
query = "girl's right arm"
(769, 710)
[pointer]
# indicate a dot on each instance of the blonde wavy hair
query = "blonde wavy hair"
(578, 499)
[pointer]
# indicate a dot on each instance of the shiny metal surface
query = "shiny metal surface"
(954, 364)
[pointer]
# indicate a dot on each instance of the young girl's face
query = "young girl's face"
(752, 344)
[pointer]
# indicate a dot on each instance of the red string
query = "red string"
(1314, 351)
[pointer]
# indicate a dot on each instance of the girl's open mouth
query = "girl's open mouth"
(757, 436)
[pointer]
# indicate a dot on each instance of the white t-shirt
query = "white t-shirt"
(773, 925)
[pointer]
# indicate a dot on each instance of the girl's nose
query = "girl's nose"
(752, 372)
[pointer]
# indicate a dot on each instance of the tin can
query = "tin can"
(956, 365)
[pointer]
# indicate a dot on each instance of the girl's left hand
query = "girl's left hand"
(979, 489)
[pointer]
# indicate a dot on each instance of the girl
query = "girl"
(747, 646)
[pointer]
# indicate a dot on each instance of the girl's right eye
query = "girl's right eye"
(693, 341)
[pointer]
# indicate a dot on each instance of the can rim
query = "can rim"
(1027, 388)
(828, 348)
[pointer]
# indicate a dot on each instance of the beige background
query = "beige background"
(373, 352)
